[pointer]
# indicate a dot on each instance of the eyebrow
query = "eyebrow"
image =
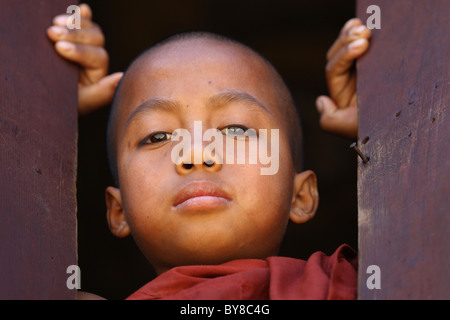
(227, 97)
(172, 106)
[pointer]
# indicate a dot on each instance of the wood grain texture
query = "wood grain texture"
(404, 190)
(38, 141)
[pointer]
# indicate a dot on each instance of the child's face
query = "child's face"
(200, 214)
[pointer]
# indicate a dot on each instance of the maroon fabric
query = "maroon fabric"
(277, 278)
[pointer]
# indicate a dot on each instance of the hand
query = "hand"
(85, 47)
(338, 113)
(81, 295)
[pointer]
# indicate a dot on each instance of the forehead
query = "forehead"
(193, 69)
(198, 55)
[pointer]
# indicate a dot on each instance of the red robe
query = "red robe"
(277, 278)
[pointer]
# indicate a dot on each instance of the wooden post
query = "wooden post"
(404, 190)
(38, 141)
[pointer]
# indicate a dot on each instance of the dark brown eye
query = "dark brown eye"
(239, 132)
(234, 131)
(157, 137)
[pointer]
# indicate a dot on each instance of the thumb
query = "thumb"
(325, 106)
(98, 95)
(341, 121)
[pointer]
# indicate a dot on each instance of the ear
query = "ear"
(117, 220)
(305, 199)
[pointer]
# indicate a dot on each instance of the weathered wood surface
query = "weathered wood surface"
(38, 133)
(404, 190)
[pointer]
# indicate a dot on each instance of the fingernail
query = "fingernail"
(357, 30)
(58, 31)
(117, 83)
(65, 45)
(357, 44)
(320, 105)
(60, 20)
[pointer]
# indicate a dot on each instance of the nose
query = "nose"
(199, 157)
(210, 163)
(195, 155)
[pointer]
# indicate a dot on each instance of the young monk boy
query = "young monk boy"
(212, 228)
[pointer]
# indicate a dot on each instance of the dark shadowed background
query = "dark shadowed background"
(294, 36)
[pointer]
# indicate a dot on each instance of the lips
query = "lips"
(201, 195)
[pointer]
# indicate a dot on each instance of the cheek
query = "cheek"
(142, 182)
(144, 195)
(265, 188)
(266, 202)
(266, 198)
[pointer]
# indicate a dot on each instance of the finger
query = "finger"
(85, 55)
(335, 120)
(343, 60)
(61, 20)
(90, 36)
(351, 31)
(340, 73)
(95, 96)
(85, 11)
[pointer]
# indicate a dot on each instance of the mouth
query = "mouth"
(201, 195)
